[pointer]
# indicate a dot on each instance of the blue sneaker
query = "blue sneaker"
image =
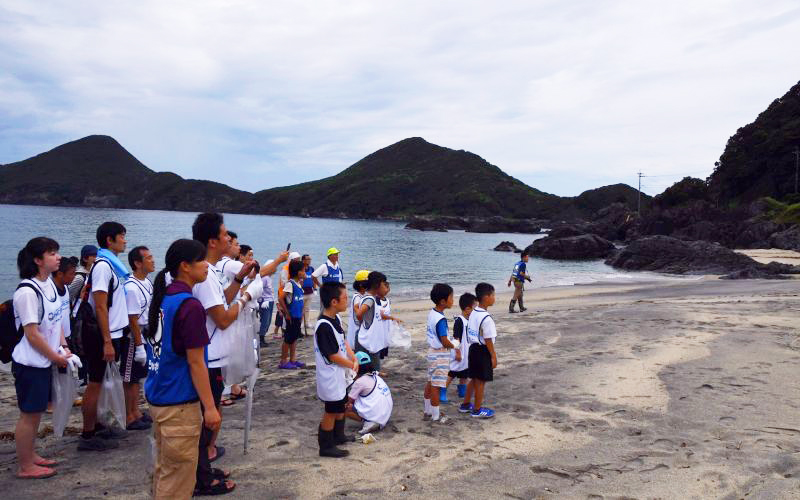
(465, 408)
(443, 395)
(483, 412)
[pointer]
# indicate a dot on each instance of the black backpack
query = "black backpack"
(10, 335)
(85, 322)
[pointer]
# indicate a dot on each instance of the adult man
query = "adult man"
(518, 275)
(138, 295)
(330, 272)
(88, 256)
(309, 287)
(107, 300)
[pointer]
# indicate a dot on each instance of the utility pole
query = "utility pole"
(796, 166)
(639, 201)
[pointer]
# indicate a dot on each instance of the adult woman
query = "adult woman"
(39, 311)
(178, 380)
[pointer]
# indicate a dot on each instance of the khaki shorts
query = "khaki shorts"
(176, 431)
(438, 366)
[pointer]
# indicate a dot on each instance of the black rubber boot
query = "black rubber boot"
(511, 306)
(327, 447)
(521, 307)
(339, 437)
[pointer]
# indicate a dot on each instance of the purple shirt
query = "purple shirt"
(189, 330)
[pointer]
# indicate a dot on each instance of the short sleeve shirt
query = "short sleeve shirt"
(361, 387)
(138, 295)
(488, 328)
(102, 274)
(189, 330)
(288, 292)
(326, 338)
(210, 294)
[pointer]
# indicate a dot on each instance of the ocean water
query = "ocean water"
(412, 260)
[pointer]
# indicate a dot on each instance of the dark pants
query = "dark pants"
(204, 475)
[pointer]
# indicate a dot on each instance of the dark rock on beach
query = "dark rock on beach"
(788, 239)
(507, 246)
(421, 224)
(671, 255)
(583, 246)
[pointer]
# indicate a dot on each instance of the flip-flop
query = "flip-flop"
(220, 453)
(219, 473)
(241, 395)
(46, 462)
(227, 402)
(51, 473)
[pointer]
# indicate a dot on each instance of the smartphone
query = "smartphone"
(289, 246)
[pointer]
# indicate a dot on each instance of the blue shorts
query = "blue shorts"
(33, 387)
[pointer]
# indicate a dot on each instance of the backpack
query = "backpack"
(85, 322)
(10, 335)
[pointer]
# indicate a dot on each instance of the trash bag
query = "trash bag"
(399, 336)
(65, 389)
(111, 403)
(241, 360)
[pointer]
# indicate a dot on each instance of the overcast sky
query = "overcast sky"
(565, 96)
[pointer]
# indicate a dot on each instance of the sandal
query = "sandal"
(220, 488)
(220, 474)
(240, 395)
(45, 462)
(227, 402)
(220, 454)
(46, 472)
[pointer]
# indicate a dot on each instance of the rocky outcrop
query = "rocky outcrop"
(788, 239)
(612, 222)
(507, 246)
(580, 247)
(671, 255)
(475, 224)
(421, 224)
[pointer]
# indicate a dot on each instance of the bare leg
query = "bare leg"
(89, 405)
(24, 438)
(479, 386)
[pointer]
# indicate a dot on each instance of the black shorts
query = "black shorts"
(217, 384)
(460, 374)
(33, 387)
(93, 355)
(335, 406)
(292, 331)
(480, 363)
(130, 370)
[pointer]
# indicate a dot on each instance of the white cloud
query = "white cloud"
(565, 96)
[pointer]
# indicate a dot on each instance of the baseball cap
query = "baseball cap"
(88, 251)
(294, 255)
(332, 250)
(363, 358)
(362, 275)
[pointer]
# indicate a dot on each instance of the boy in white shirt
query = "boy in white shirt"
(459, 362)
(438, 350)
(481, 333)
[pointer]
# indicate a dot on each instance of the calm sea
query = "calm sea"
(412, 260)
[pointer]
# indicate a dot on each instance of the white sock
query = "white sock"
(434, 413)
(427, 407)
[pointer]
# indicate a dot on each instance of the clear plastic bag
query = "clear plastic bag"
(111, 403)
(241, 360)
(65, 388)
(399, 336)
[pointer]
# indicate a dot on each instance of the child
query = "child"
(518, 276)
(371, 336)
(292, 307)
(438, 346)
(332, 356)
(360, 287)
(459, 363)
(370, 400)
(481, 332)
(385, 306)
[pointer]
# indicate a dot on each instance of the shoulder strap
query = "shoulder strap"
(375, 378)
(29, 284)
(480, 325)
(141, 289)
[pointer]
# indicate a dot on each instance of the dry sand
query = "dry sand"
(655, 390)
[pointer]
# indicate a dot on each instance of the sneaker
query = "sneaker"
(138, 425)
(96, 443)
(298, 364)
(369, 427)
(465, 408)
(112, 432)
(483, 412)
(287, 366)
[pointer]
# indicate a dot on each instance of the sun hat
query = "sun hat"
(362, 275)
(332, 250)
(294, 255)
(363, 358)
(88, 251)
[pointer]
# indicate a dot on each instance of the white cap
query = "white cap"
(270, 261)
(294, 255)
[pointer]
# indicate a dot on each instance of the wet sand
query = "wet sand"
(683, 389)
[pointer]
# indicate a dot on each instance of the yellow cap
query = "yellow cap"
(362, 275)
(332, 250)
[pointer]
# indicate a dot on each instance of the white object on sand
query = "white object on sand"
(368, 438)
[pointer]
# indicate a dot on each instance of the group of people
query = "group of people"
(97, 314)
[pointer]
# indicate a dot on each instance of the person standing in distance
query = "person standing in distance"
(518, 275)
(330, 272)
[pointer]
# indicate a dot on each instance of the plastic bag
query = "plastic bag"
(111, 403)
(241, 360)
(399, 336)
(65, 389)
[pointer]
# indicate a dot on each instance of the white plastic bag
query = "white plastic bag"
(241, 360)
(65, 388)
(399, 336)
(111, 404)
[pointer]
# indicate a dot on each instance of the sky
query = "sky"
(565, 96)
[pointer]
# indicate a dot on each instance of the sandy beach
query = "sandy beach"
(676, 389)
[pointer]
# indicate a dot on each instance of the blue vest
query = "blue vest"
(169, 381)
(296, 307)
(309, 281)
(519, 268)
(334, 275)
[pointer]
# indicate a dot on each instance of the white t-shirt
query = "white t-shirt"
(27, 311)
(210, 293)
(118, 314)
(322, 271)
(138, 296)
(65, 317)
(268, 294)
(480, 327)
(229, 268)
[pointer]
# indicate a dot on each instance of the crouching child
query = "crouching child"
(370, 400)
